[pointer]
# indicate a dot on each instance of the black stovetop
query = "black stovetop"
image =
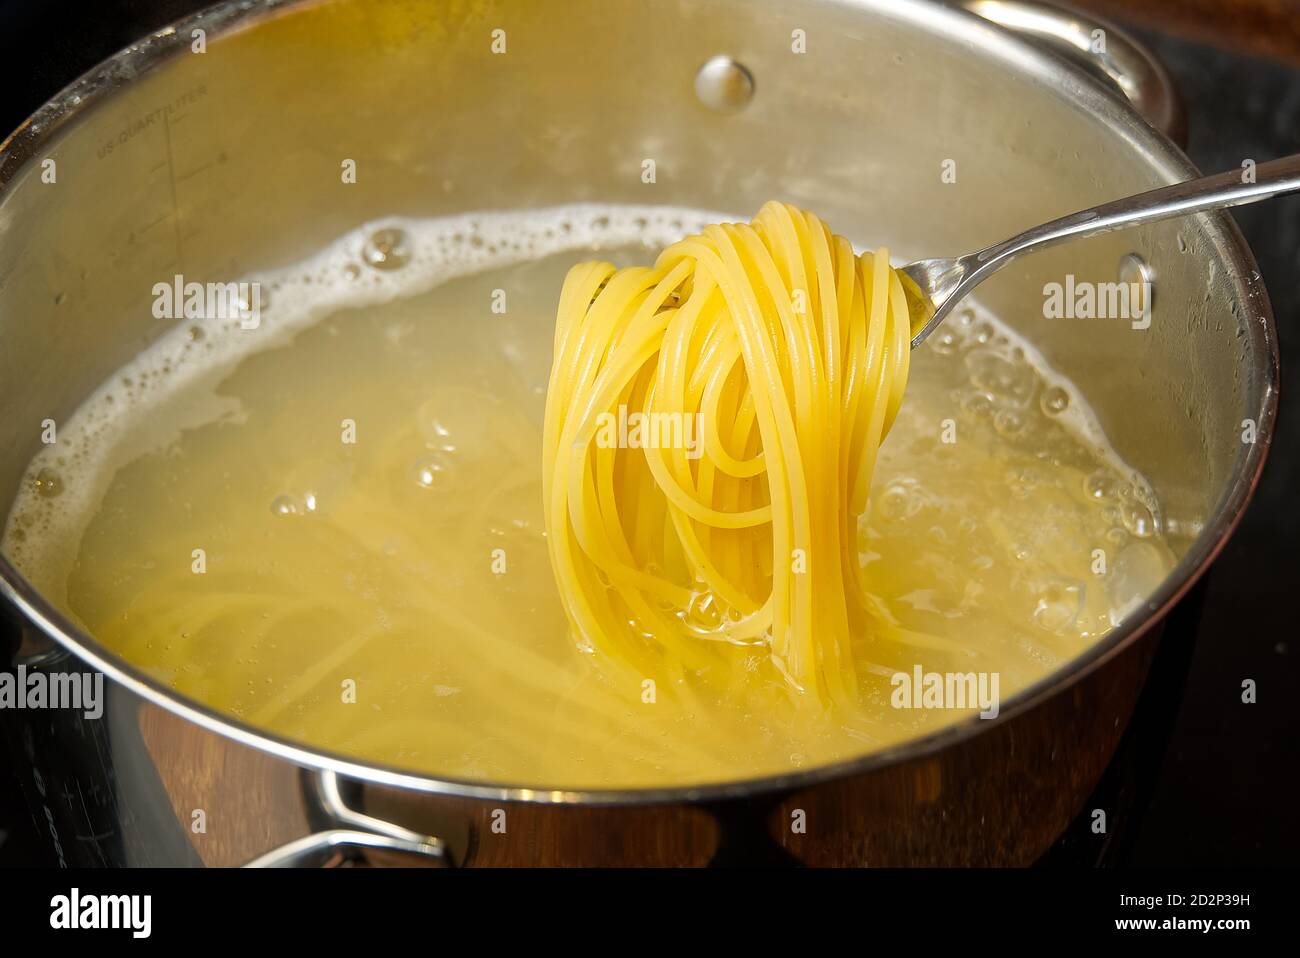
(1203, 778)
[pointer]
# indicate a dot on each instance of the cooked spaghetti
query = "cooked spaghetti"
(787, 355)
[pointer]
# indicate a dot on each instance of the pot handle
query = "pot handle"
(1100, 47)
(321, 848)
(356, 834)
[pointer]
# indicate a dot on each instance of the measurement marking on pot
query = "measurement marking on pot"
(146, 121)
(176, 207)
(152, 223)
(196, 171)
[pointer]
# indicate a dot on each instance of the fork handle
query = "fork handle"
(1231, 188)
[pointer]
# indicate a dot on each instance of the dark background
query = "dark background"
(1206, 779)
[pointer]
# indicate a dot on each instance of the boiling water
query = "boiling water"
(330, 525)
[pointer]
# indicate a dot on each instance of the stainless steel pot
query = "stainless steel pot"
(216, 162)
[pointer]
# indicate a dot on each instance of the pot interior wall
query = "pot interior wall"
(215, 163)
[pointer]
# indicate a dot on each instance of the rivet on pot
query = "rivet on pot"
(1138, 275)
(724, 85)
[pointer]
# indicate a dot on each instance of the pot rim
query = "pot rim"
(25, 145)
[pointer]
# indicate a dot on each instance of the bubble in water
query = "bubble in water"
(47, 483)
(1137, 518)
(977, 403)
(1101, 485)
(387, 249)
(1059, 603)
(899, 500)
(1009, 423)
(1054, 400)
(431, 472)
(457, 417)
(289, 505)
(1000, 376)
(703, 612)
(1022, 482)
(944, 342)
